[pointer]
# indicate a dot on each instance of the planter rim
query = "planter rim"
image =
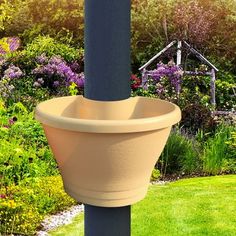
(48, 117)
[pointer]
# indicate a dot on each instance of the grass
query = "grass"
(188, 207)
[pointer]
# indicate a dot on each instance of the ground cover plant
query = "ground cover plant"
(23, 206)
(198, 206)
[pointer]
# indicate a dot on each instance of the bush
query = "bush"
(31, 18)
(225, 95)
(50, 47)
(219, 154)
(44, 68)
(155, 175)
(23, 207)
(181, 155)
(197, 117)
(23, 148)
(207, 25)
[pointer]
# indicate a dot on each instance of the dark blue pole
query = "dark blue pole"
(104, 221)
(107, 73)
(107, 49)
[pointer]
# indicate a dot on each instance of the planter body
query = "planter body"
(106, 150)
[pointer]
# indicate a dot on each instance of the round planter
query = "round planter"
(106, 150)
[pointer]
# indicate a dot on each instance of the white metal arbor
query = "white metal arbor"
(211, 72)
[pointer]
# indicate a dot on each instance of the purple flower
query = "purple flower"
(75, 66)
(56, 84)
(55, 60)
(14, 43)
(159, 77)
(78, 79)
(36, 84)
(13, 72)
(11, 121)
(40, 81)
(2, 51)
(57, 72)
(42, 59)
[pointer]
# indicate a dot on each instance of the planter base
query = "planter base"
(108, 199)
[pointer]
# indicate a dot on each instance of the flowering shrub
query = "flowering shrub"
(23, 148)
(165, 81)
(13, 72)
(9, 44)
(55, 73)
(46, 76)
(135, 82)
(50, 47)
(23, 207)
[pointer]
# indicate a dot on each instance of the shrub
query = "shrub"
(155, 175)
(181, 154)
(197, 117)
(23, 148)
(225, 95)
(44, 68)
(44, 17)
(165, 81)
(55, 74)
(23, 207)
(218, 157)
(50, 47)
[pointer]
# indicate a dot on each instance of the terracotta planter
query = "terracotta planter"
(106, 150)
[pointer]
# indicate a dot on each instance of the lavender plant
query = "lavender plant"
(165, 81)
(9, 44)
(55, 73)
(6, 83)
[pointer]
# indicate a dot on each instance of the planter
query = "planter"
(106, 151)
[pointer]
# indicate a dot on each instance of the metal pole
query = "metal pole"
(107, 49)
(179, 52)
(107, 73)
(104, 221)
(213, 88)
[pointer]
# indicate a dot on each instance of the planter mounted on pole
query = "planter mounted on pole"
(101, 141)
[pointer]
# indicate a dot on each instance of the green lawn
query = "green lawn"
(198, 206)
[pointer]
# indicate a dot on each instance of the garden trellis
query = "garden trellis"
(211, 72)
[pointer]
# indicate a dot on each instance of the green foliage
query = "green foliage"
(22, 207)
(226, 95)
(197, 117)
(56, 18)
(4, 45)
(25, 92)
(50, 47)
(155, 175)
(208, 25)
(203, 153)
(25, 89)
(23, 148)
(73, 89)
(181, 154)
(217, 156)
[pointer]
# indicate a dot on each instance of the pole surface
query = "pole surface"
(102, 221)
(107, 49)
(107, 73)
